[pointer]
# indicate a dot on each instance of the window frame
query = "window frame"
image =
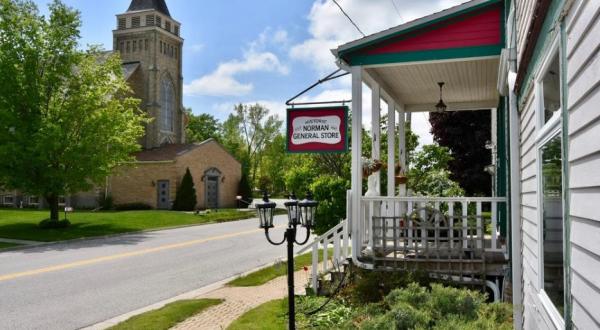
(166, 85)
(546, 131)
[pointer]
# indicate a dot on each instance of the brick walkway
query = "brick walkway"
(239, 300)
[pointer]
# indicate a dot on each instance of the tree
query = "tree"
(202, 127)
(257, 128)
(429, 175)
(273, 163)
(466, 133)
(186, 200)
(65, 116)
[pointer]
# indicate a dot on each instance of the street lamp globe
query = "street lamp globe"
(293, 212)
(308, 210)
(265, 212)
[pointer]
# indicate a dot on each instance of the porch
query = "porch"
(462, 239)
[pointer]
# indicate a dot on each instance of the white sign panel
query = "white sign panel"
(325, 129)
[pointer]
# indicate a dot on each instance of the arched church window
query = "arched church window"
(167, 105)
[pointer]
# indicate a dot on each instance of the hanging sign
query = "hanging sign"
(317, 130)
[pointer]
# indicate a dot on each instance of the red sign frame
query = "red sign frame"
(321, 114)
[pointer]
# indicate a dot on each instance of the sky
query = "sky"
(263, 51)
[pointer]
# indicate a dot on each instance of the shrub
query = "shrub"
(372, 287)
(330, 191)
(441, 308)
(244, 189)
(133, 207)
(186, 200)
(106, 202)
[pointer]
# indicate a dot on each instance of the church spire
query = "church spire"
(158, 5)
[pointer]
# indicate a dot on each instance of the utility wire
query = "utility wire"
(350, 19)
(397, 10)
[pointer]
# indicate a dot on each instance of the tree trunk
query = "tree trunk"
(53, 203)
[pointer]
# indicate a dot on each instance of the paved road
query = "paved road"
(70, 286)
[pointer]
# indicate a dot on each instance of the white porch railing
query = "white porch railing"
(336, 241)
(465, 212)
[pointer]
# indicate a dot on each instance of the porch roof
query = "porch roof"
(459, 46)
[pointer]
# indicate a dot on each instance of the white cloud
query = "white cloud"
(197, 48)
(421, 127)
(275, 107)
(329, 28)
(224, 81)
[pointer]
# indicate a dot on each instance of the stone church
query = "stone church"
(149, 42)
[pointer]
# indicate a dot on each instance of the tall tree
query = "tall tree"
(257, 127)
(465, 133)
(65, 116)
(185, 200)
(202, 127)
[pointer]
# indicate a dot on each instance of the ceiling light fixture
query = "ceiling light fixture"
(441, 106)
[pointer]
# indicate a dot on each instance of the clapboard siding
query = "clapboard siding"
(586, 141)
(586, 263)
(582, 319)
(582, 114)
(586, 233)
(529, 211)
(586, 293)
(584, 203)
(583, 81)
(524, 13)
(580, 170)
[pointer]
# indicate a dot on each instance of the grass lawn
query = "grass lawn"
(271, 315)
(168, 316)
(23, 224)
(264, 275)
(7, 245)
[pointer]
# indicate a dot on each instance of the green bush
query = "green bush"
(132, 207)
(106, 202)
(185, 200)
(439, 307)
(244, 189)
(372, 287)
(330, 192)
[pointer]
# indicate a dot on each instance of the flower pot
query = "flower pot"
(401, 179)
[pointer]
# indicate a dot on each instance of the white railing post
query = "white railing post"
(494, 245)
(391, 162)
(451, 223)
(465, 220)
(315, 265)
(480, 226)
(357, 83)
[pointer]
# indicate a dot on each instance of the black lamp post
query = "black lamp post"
(299, 213)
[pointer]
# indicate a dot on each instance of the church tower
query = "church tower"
(149, 42)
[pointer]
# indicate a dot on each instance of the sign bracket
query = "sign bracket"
(331, 76)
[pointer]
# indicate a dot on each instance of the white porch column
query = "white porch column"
(402, 148)
(356, 160)
(391, 132)
(376, 131)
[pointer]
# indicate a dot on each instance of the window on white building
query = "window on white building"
(550, 184)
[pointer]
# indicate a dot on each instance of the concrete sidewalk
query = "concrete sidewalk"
(239, 300)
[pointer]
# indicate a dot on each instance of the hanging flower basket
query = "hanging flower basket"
(401, 177)
(370, 166)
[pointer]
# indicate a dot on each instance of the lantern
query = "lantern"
(265, 212)
(293, 212)
(308, 210)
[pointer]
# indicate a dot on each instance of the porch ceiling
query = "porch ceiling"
(470, 83)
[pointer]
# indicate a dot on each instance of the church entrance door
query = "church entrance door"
(212, 192)
(164, 199)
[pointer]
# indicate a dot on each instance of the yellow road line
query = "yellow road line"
(121, 255)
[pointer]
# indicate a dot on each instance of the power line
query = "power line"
(397, 10)
(350, 19)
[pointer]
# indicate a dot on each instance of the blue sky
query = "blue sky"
(264, 51)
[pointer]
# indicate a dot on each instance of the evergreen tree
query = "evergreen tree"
(186, 194)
